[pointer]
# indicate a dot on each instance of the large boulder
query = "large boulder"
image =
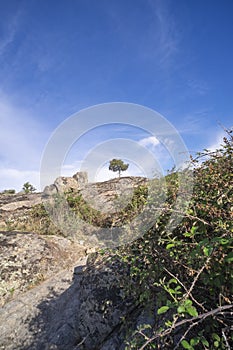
(81, 177)
(65, 184)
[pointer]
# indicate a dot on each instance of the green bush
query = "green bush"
(10, 191)
(187, 273)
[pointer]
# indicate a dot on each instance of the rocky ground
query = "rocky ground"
(51, 296)
(81, 308)
(15, 208)
(26, 321)
(27, 259)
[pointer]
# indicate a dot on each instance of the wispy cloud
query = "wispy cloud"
(192, 122)
(22, 140)
(168, 36)
(200, 87)
(9, 30)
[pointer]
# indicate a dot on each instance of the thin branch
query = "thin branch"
(225, 339)
(185, 334)
(188, 292)
(199, 318)
(183, 214)
(174, 276)
(196, 278)
(144, 335)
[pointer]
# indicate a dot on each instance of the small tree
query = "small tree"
(28, 188)
(118, 165)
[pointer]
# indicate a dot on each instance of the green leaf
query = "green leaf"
(186, 345)
(171, 291)
(192, 311)
(194, 341)
(215, 336)
(193, 230)
(170, 245)
(224, 241)
(187, 302)
(172, 280)
(181, 309)
(205, 342)
(229, 257)
(162, 310)
(187, 234)
(207, 251)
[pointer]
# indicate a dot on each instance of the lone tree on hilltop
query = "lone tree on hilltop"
(118, 165)
(28, 188)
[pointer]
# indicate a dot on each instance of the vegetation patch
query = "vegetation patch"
(186, 274)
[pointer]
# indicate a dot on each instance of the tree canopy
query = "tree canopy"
(28, 188)
(117, 165)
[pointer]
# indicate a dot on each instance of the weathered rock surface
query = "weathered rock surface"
(16, 207)
(112, 195)
(27, 259)
(84, 314)
(21, 201)
(107, 197)
(39, 313)
(63, 184)
(50, 298)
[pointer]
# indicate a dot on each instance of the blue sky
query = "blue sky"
(58, 57)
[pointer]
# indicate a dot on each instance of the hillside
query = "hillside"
(168, 288)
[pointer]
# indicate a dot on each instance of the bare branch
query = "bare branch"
(196, 278)
(188, 292)
(199, 318)
(226, 341)
(185, 334)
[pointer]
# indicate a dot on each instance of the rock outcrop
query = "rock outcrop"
(87, 313)
(14, 209)
(27, 259)
(63, 184)
(50, 298)
(112, 195)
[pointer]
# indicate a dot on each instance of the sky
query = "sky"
(61, 57)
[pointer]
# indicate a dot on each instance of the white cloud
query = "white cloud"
(14, 178)
(216, 144)
(20, 135)
(22, 140)
(149, 141)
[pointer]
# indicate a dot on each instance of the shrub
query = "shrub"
(10, 191)
(187, 273)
